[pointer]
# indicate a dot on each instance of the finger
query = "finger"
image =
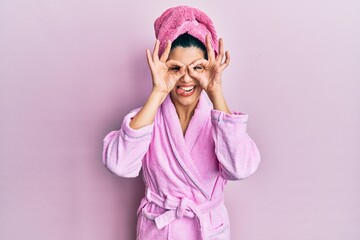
(209, 48)
(149, 59)
(227, 61)
(191, 70)
(166, 53)
(201, 61)
(156, 50)
(193, 73)
(173, 62)
(181, 71)
(221, 51)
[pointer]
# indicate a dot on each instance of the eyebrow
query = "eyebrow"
(174, 64)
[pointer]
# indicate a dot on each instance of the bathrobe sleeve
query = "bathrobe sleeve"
(236, 152)
(124, 149)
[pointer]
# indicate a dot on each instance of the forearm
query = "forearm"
(124, 149)
(237, 153)
(147, 113)
(218, 101)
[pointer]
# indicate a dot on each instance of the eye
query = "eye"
(174, 69)
(199, 68)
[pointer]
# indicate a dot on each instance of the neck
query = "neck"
(185, 112)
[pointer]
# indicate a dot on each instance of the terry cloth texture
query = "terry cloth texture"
(185, 176)
(184, 19)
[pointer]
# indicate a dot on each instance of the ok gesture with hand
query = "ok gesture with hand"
(163, 79)
(210, 79)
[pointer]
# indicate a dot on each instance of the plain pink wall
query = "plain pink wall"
(71, 70)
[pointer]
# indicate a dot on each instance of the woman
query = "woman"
(186, 148)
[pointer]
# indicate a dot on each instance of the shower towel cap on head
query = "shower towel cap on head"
(184, 19)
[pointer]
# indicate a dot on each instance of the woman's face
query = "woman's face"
(187, 90)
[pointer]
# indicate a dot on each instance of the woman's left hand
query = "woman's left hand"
(210, 78)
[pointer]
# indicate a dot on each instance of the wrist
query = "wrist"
(215, 94)
(219, 102)
(158, 96)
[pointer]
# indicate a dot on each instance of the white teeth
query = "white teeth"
(187, 88)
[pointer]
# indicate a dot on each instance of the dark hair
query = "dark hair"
(186, 40)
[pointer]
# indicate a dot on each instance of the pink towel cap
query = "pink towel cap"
(181, 19)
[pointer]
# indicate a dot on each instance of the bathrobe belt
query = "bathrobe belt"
(178, 208)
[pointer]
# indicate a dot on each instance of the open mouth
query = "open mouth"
(185, 91)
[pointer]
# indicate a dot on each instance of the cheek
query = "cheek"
(173, 91)
(199, 88)
(198, 91)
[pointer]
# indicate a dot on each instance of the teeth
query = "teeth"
(188, 88)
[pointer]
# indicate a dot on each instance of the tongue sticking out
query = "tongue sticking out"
(180, 91)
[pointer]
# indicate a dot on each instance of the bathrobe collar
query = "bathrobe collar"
(181, 145)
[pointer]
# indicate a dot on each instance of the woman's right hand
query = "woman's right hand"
(163, 78)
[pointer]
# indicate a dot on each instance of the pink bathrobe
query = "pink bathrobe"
(184, 176)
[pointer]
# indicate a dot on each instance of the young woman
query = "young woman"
(186, 146)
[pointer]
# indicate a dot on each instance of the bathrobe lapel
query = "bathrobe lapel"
(197, 122)
(181, 145)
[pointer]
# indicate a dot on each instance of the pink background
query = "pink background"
(71, 70)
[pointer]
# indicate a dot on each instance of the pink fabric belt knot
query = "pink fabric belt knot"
(178, 208)
(182, 208)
